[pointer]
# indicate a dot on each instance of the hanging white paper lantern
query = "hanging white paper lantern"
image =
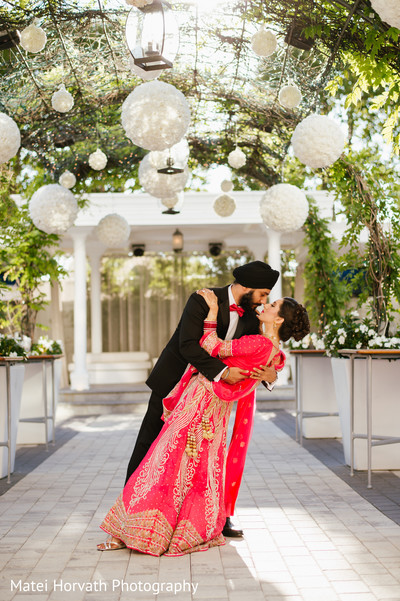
(224, 205)
(155, 115)
(226, 185)
(290, 96)
(10, 138)
(145, 75)
(62, 101)
(113, 230)
(161, 185)
(284, 208)
(67, 179)
(33, 38)
(138, 3)
(318, 141)
(237, 158)
(388, 10)
(179, 153)
(53, 209)
(97, 160)
(264, 42)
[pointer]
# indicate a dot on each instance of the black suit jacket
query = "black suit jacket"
(184, 348)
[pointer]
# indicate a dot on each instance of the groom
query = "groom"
(236, 317)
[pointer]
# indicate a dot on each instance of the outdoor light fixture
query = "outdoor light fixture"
(177, 241)
(138, 250)
(152, 36)
(215, 248)
(296, 38)
(170, 169)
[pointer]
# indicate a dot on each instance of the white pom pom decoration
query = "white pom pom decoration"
(318, 141)
(67, 179)
(33, 38)
(236, 158)
(138, 3)
(113, 230)
(145, 75)
(284, 208)
(290, 96)
(97, 160)
(160, 185)
(264, 42)
(388, 10)
(170, 202)
(155, 115)
(10, 138)
(53, 209)
(226, 185)
(224, 205)
(62, 101)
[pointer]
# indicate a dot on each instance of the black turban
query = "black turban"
(256, 275)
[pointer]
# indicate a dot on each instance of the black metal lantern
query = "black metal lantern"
(9, 39)
(152, 36)
(170, 169)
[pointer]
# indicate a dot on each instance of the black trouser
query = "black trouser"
(149, 430)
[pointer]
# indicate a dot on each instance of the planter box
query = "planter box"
(32, 402)
(385, 410)
(16, 382)
(315, 393)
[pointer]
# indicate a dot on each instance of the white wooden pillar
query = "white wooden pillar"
(79, 375)
(274, 259)
(95, 252)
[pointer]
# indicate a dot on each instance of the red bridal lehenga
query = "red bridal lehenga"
(176, 501)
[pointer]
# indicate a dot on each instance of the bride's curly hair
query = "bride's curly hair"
(296, 323)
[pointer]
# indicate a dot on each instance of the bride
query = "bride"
(174, 503)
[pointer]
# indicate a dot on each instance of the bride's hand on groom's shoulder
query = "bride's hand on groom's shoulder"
(210, 297)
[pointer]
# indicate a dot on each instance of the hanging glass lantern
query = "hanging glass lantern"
(177, 241)
(152, 36)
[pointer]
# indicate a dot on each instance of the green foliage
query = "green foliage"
(9, 347)
(368, 191)
(325, 294)
(27, 258)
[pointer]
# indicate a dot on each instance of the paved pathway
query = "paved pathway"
(309, 536)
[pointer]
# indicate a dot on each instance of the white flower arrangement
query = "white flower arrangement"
(290, 96)
(388, 10)
(284, 208)
(67, 179)
(46, 346)
(224, 205)
(97, 160)
(113, 230)
(62, 101)
(53, 209)
(33, 38)
(161, 185)
(264, 42)
(10, 346)
(226, 185)
(138, 3)
(318, 141)
(10, 138)
(237, 158)
(155, 116)
(309, 341)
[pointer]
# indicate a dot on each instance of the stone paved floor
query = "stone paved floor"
(309, 536)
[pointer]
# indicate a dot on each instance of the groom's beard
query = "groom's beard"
(247, 302)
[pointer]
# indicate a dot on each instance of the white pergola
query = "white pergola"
(199, 225)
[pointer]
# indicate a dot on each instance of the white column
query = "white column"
(274, 259)
(95, 252)
(79, 375)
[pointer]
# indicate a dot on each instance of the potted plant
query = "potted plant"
(366, 190)
(11, 352)
(324, 297)
(41, 385)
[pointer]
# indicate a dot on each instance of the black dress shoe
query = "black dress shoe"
(230, 531)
